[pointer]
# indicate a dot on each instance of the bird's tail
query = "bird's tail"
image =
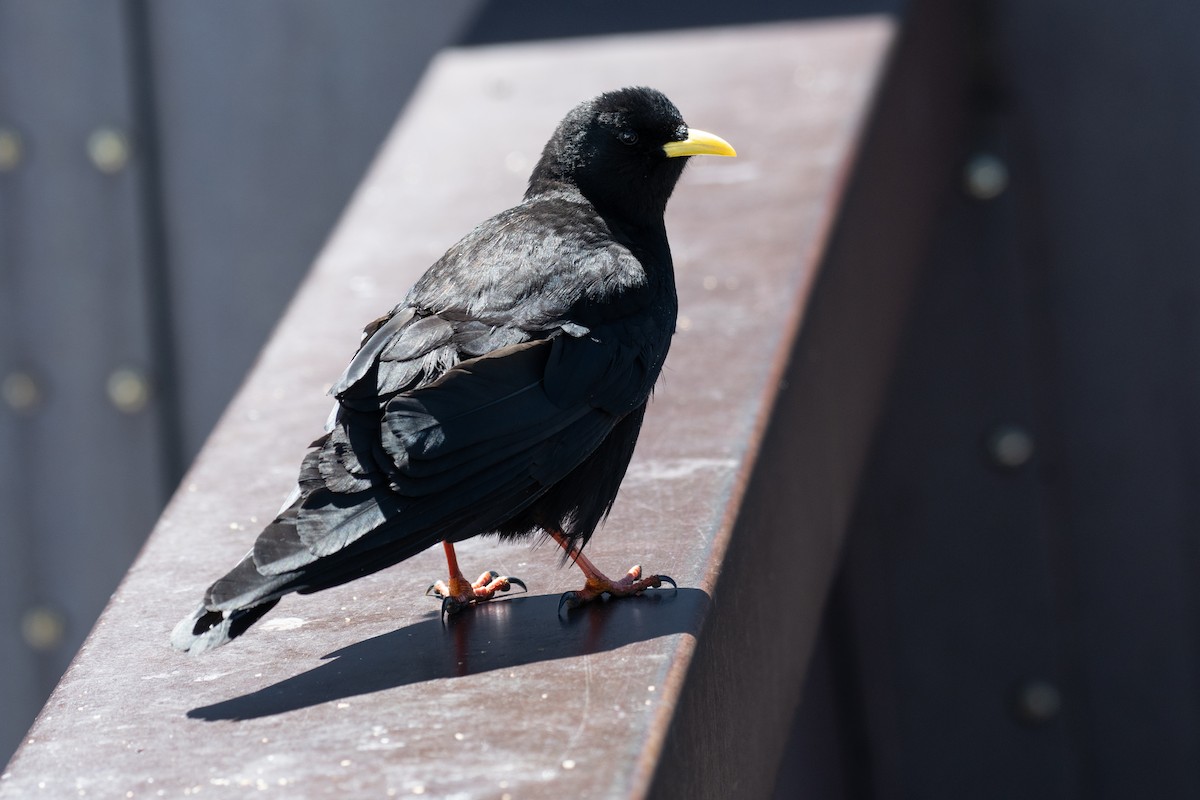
(205, 629)
(231, 605)
(282, 562)
(238, 599)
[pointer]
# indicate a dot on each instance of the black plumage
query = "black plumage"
(506, 392)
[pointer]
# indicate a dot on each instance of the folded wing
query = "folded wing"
(420, 451)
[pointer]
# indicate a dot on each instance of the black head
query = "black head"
(624, 151)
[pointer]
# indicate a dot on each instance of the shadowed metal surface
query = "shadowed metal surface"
(361, 691)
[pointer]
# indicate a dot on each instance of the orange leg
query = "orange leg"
(457, 593)
(598, 584)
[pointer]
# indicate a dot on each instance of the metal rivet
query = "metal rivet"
(128, 390)
(1010, 446)
(20, 391)
(108, 149)
(1038, 702)
(985, 176)
(43, 628)
(10, 150)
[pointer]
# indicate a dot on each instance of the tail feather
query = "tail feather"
(205, 630)
(245, 586)
(231, 605)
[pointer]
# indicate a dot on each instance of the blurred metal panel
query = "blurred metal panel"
(1019, 608)
(268, 114)
(1111, 169)
(950, 592)
(81, 477)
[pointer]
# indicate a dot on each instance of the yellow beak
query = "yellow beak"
(699, 143)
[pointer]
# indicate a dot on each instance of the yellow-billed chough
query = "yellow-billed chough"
(505, 393)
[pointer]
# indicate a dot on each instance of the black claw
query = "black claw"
(430, 591)
(668, 579)
(518, 582)
(450, 607)
(570, 600)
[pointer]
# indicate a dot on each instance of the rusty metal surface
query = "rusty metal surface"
(360, 690)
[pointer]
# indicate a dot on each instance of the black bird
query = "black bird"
(505, 394)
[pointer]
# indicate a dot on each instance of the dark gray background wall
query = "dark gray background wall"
(1017, 613)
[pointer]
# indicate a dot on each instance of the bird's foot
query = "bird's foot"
(598, 585)
(458, 594)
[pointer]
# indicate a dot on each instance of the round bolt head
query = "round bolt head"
(1010, 446)
(108, 149)
(128, 390)
(20, 391)
(10, 150)
(43, 628)
(985, 176)
(1038, 702)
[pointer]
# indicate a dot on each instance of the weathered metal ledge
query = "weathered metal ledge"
(739, 489)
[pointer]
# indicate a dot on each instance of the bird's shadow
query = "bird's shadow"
(494, 636)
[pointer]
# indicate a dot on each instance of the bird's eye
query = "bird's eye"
(628, 137)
